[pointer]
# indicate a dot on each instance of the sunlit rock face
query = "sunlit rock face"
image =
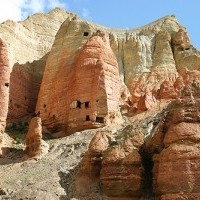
(77, 75)
(28, 43)
(4, 88)
(35, 146)
(176, 167)
(91, 98)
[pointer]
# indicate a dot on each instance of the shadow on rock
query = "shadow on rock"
(67, 182)
(13, 155)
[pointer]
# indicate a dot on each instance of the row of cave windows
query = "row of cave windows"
(86, 104)
(78, 105)
(98, 119)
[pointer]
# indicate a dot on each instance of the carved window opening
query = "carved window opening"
(87, 104)
(87, 118)
(78, 104)
(100, 119)
(85, 33)
(44, 105)
(7, 84)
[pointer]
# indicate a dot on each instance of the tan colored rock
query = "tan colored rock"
(4, 89)
(32, 38)
(35, 146)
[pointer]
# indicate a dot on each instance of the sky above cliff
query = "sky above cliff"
(127, 14)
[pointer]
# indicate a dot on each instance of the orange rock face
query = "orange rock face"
(4, 88)
(35, 146)
(92, 95)
(24, 93)
(122, 171)
(88, 177)
(176, 168)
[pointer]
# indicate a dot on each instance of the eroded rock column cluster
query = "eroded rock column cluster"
(177, 166)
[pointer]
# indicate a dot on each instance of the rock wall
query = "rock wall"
(28, 44)
(176, 168)
(26, 80)
(137, 67)
(4, 89)
(91, 94)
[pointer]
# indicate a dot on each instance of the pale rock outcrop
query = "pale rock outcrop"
(4, 89)
(36, 147)
(32, 38)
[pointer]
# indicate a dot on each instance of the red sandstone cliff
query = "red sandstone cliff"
(4, 89)
(91, 97)
(82, 75)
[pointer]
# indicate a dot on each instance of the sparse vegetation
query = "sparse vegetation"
(18, 131)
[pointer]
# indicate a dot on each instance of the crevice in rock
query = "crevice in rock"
(147, 163)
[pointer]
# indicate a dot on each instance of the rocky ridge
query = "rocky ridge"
(81, 75)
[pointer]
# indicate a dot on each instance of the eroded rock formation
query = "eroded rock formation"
(87, 178)
(122, 171)
(35, 146)
(29, 43)
(176, 167)
(4, 89)
(86, 75)
(92, 90)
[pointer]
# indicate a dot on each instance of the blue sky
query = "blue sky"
(125, 14)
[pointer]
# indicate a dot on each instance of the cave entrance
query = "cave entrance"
(87, 104)
(78, 105)
(85, 33)
(87, 118)
(7, 84)
(100, 120)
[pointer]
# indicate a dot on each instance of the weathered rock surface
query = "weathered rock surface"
(4, 89)
(176, 167)
(28, 44)
(36, 147)
(86, 78)
(89, 90)
(122, 171)
(87, 179)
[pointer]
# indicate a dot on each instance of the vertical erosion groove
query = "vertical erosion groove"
(147, 162)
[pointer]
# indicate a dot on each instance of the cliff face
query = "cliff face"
(28, 44)
(89, 91)
(178, 161)
(4, 89)
(141, 86)
(148, 61)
